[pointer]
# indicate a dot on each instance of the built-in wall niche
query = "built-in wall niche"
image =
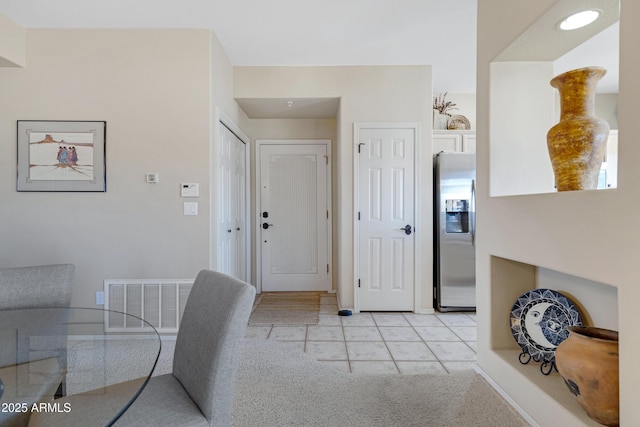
(524, 106)
(597, 302)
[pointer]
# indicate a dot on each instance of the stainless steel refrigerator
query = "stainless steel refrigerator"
(454, 232)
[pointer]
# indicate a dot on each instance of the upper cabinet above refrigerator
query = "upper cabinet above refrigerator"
(457, 141)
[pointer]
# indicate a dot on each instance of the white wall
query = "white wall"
(518, 128)
(607, 108)
(153, 89)
(367, 94)
(579, 234)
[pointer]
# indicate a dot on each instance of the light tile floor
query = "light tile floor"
(382, 342)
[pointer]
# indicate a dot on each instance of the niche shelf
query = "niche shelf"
(598, 303)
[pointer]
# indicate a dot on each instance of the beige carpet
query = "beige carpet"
(300, 308)
(279, 386)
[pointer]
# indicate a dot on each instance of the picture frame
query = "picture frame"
(58, 155)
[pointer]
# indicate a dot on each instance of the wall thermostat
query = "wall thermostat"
(190, 189)
(152, 178)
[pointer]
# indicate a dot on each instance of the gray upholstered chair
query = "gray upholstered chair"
(36, 286)
(199, 391)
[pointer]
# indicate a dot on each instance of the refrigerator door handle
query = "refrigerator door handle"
(472, 211)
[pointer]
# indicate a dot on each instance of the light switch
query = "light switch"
(152, 178)
(190, 189)
(191, 208)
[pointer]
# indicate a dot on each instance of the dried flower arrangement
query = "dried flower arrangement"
(442, 106)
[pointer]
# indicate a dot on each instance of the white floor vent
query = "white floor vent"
(159, 302)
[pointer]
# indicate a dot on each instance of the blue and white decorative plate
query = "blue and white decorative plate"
(539, 322)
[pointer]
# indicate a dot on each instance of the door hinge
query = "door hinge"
(360, 145)
(358, 216)
(358, 282)
(327, 214)
(326, 160)
(327, 268)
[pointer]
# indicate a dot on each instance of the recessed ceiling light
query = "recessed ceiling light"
(579, 20)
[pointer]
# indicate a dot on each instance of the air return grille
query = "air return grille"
(159, 302)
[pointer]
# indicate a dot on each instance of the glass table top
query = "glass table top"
(47, 352)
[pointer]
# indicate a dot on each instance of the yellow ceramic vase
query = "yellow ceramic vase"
(578, 142)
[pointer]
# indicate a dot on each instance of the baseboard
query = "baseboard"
(505, 396)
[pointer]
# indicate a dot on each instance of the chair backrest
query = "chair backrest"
(36, 286)
(211, 332)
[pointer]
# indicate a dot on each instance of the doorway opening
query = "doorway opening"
(293, 221)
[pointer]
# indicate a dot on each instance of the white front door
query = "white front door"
(385, 223)
(232, 223)
(294, 217)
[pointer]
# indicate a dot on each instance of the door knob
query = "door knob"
(406, 229)
(265, 225)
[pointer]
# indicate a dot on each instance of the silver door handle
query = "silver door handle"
(472, 210)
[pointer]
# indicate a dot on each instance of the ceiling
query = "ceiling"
(294, 32)
(440, 33)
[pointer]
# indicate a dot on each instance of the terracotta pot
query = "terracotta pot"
(588, 364)
(578, 142)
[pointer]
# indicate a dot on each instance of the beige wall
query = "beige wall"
(293, 129)
(564, 236)
(12, 43)
(367, 94)
(223, 107)
(153, 89)
(168, 88)
(222, 96)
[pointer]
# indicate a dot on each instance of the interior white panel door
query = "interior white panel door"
(294, 217)
(232, 247)
(385, 226)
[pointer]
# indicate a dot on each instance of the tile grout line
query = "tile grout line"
(346, 348)
(427, 344)
(385, 343)
(461, 339)
(475, 325)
